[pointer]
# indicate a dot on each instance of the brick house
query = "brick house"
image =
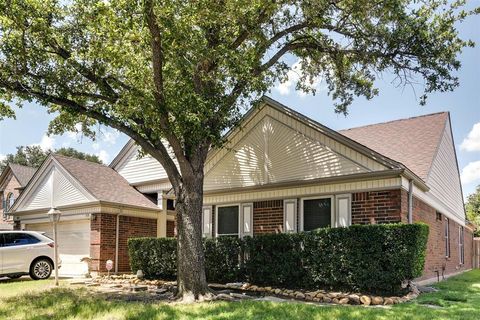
(280, 172)
(13, 180)
(283, 172)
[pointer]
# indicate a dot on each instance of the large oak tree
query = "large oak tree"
(174, 74)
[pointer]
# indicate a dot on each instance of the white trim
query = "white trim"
(461, 244)
(339, 197)
(216, 219)
(446, 236)
(242, 226)
(209, 233)
(295, 215)
(332, 208)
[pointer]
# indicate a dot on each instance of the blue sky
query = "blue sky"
(392, 103)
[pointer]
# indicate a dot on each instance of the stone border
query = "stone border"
(133, 284)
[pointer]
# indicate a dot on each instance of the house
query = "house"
(283, 172)
(99, 212)
(13, 180)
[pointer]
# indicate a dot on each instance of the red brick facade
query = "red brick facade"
(267, 217)
(171, 225)
(378, 206)
(102, 238)
(11, 187)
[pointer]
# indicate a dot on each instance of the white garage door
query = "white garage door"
(73, 244)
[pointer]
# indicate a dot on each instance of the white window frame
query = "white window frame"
(241, 226)
(461, 245)
(295, 215)
(332, 208)
(205, 234)
(239, 219)
(339, 197)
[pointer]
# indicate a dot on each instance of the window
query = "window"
(227, 220)
(461, 248)
(18, 239)
(10, 201)
(290, 215)
(439, 216)
(447, 238)
(316, 213)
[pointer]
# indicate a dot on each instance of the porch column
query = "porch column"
(162, 216)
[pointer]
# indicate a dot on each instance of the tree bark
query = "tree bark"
(191, 279)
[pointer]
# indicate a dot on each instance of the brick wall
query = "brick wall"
(11, 186)
(102, 238)
(436, 259)
(171, 228)
(267, 217)
(132, 227)
(382, 206)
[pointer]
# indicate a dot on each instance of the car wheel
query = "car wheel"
(41, 269)
(15, 276)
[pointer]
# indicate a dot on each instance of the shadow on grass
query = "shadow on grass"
(459, 298)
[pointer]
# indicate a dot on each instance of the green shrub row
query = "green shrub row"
(367, 258)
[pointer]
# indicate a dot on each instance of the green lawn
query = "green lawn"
(459, 298)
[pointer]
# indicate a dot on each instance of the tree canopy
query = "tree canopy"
(33, 156)
(472, 208)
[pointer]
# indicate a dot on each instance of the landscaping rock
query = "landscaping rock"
(377, 301)
(320, 295)
(299, 295)
(365, 300)
(344, 301)
(240, 296)
(138, 288)
(327, 299)
(277, 291)
(354, 299)
(271, 299)
(224, 297)
(388, 301)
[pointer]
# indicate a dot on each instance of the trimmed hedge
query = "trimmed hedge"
(367, 258)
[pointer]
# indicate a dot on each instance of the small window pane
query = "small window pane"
(19, 239)
(228, 220)
(317, 214)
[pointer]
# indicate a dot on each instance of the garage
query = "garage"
(73, 244)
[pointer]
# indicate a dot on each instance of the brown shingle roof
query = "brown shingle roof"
(22, 173)
(413, 142)
(104, 183)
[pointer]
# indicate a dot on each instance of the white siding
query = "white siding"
(139, 170)
(272, 152)
(443, 179)
(54, 183)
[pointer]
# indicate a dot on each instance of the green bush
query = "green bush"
(368, 258)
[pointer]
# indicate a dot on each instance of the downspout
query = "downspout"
(117, 235)
(410, 201)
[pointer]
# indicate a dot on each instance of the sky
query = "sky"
(392, 103)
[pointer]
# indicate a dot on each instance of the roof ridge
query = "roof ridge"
(55, 155)
(20, 165)
(397, 120)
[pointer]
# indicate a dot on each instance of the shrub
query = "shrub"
(369, 258)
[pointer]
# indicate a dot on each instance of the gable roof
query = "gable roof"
(23, 174)
(413, 142)
(104, 183)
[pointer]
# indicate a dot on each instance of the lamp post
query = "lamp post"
(54, 215)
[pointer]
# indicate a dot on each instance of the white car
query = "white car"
(26, 253)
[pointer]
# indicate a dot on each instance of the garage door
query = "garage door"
(73, 244)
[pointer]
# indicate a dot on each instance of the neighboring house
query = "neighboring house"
(279, 172)
(100, 211)
(13, 180)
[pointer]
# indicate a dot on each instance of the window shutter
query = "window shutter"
(207, 221)
(247, 219)
(290, 215)
(343, 217)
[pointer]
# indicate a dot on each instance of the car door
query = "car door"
(16, 253)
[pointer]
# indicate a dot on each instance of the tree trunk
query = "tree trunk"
(192, 283)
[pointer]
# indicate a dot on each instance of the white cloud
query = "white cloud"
(2, 157)
(110, 136)
(95, 146)
(471, 172)
(104, 156)
(293, 76)
(472, 141)
(74, 134)
(46, 143)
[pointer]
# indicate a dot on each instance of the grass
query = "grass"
(458, 298)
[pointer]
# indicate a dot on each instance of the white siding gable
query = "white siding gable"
(443, 178)
(138, 170)
(54, 188)
(273, 152)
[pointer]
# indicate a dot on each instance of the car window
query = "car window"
(18, 239)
